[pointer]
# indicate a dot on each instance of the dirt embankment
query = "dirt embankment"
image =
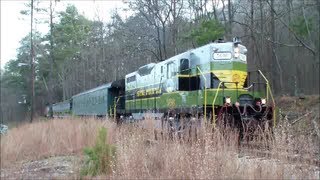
(297, 106)
(67, 167)
(301, 113)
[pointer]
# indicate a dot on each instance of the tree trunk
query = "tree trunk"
(174, 27)
(252, 44)
(215, 13)
(51, 87)
(224, 17)
(261, 65)
(159, 43)
(274, 79)
(164, 40)
(32, 66)
(63, 85)
(84, 74)
(103, 54)
(230, 19)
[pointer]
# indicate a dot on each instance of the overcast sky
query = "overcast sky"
(15, 26)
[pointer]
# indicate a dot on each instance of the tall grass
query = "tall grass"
(211, 155)
(206, 154)
(139, 156)
(48, 138)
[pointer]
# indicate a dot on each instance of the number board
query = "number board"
(222, 56)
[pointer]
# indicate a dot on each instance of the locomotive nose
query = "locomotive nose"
(232, 76)
(236, 77)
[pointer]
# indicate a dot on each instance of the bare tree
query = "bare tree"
(32, 65)
(157, 13)
(176, 8)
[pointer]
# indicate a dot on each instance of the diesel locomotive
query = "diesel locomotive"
(211, 82)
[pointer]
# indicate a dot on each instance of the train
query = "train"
(211, 82)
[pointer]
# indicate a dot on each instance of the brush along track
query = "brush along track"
(256, 150)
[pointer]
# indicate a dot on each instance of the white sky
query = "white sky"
(15, 26)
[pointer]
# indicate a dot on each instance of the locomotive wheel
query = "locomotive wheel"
(178, 128)
(225, 121)
(249, 127)
(168, 127)
(256, 129)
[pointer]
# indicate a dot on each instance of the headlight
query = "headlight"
(228, 100)
(263, 101)
(236, 52)
(237, 104)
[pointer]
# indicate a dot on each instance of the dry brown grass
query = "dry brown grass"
(210, 155)
(139, 156)
(48, 138)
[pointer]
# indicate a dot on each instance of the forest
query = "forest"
(77, 54)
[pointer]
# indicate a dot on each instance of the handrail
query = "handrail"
(115, 108)
(269, 91)
(205, 95)
(267, 82)
(213, 102)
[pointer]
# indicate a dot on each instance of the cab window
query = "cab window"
(184, 66)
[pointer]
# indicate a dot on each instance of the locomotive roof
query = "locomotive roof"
(181, 55)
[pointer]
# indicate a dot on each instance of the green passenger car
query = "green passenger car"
(99, 101)
(62, 108)
(93, 102)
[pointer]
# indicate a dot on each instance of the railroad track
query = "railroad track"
(255, 150)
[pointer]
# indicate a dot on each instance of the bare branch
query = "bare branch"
(294, 34)
(265, 37)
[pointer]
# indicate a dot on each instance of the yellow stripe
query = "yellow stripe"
(183, 75)
(175, 92)
(229, 89)
(142, 99)
(212, 71)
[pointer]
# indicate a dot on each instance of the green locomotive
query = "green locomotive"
(210, 82)
(207, 81)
